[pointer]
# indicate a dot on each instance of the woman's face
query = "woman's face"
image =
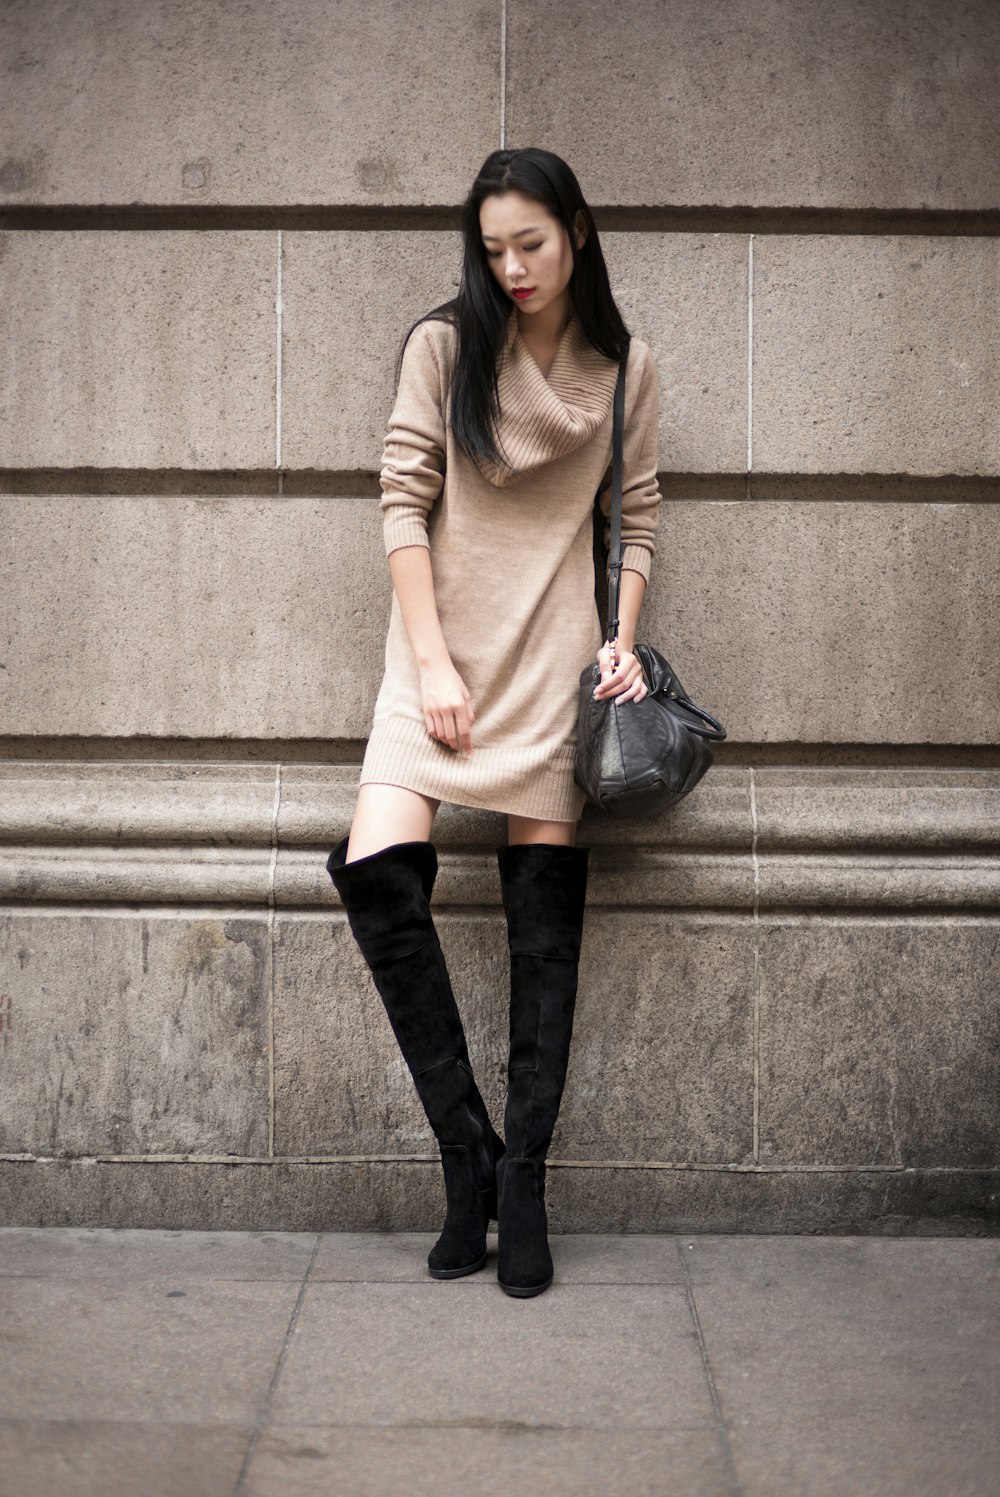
(527, 250)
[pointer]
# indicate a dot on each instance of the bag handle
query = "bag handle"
(617, 468)
(704, 724)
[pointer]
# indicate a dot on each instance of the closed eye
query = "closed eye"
(492, 254)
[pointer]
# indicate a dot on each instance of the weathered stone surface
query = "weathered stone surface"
(196, 617)
(661, 1064)
(879, 884)
(637, 1356)
(255, 1196)
(876, 355)
(135, 876)
(134, 1035)
(115, 1338)
(230, 617)
(341, 1085)
(138, 350)
(885, 810)
(660, 1061)
(143, 1256)
(271, 102)
(393, 1195)
(833, 622)
(879, 1042)
(349, 299)
(395, 1258)
(568, 1462)
(657, 880)
(317, 803)
(201, 833)
(59, 803)
(729, 105)
(908, 1352)
(686, 296)
(67, 1458)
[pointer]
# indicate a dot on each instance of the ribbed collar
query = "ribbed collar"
(545, 418)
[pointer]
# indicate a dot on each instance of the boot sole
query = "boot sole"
(519, 1291)
(456, 1273)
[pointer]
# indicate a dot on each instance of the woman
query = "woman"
(500, 435)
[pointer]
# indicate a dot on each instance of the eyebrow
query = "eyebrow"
(518, 235)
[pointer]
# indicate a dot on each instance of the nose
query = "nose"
(514, 267)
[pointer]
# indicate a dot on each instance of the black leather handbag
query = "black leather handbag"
(638, 758)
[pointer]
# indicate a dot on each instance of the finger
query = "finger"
(611, 685)
(620, 682)
(450, 731)
(464, 726)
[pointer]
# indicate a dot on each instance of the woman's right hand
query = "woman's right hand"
(448, 713)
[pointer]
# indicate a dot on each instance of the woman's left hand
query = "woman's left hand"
(623, 681)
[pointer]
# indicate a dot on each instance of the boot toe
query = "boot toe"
(440, 1266)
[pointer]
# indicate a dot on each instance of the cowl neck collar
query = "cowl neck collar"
(545, 417)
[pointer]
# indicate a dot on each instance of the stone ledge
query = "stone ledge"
(234, 805)
(193, 834)
(678, 880)
(408, 1196)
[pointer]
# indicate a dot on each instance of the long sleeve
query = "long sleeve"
(640, 490)
(413, 452)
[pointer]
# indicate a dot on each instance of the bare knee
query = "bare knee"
(521, 829)
(386, 814)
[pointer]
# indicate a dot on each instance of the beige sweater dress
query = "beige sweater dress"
(512, 561)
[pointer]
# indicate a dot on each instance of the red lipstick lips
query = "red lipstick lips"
(522, 294)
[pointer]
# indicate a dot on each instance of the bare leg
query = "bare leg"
(523, 829)
(386, 814)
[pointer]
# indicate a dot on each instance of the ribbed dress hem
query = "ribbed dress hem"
(520, 781)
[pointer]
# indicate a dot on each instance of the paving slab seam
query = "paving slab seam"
(260, 1423)
(732, 1480)
(499, 1426)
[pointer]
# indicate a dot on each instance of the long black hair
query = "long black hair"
(480, 310)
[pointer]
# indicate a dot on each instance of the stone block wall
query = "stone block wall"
(215, 225)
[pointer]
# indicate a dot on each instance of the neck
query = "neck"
(544, 329)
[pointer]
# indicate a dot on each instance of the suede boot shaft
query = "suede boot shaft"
(386, 897)
(544, 893)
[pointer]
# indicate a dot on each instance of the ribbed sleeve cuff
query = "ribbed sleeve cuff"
(404, 530)
(637, 559)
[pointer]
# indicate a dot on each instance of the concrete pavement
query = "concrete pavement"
(196, 1364)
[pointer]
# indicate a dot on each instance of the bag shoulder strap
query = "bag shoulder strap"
(617, 468)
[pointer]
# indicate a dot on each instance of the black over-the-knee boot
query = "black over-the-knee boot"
(387, 899)
(544, 887)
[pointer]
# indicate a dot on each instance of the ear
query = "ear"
(580, 227)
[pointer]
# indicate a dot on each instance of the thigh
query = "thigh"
(386, 814)
(527, 829)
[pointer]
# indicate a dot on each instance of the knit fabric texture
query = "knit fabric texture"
(512, 557)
